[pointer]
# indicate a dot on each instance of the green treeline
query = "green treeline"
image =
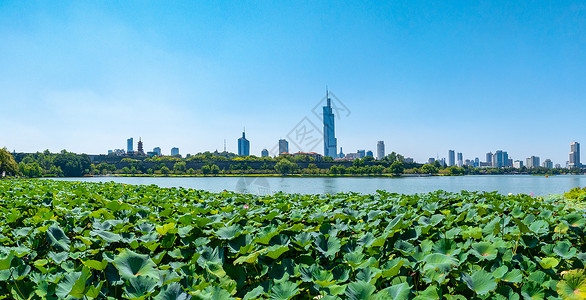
(67, 164)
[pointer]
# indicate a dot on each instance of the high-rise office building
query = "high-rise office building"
(575, 155)
(499, 158)
(548, 164)
(174, 151)
(283, 146)
(243, 145)
(130, 145)
(460, 159)
(264, 153)
(489, 159)
(369, 153)
(361, 153)
(532, 162)
(330, 143)
(518, 164)
(140, 149)
(157, 150)
(380, 150)
(451, 158)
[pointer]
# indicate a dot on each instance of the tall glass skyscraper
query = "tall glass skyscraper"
(129, 144)
(380, 150)
(451, 158)
(575, 155)
(330, 143)
(243, 146)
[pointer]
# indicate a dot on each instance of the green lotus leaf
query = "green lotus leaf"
(548, 262)
(323, 278)
(131, 265)
(532, 290)
(107, 236)
(505, 292)
(565, 250)
(366, 240)
(167, 228)
(275, 251)
(93, 291)
(484, 250)
(266, 233)
(73, 284)
(57, 238)
(336, 290)
(432, 292)
(404, 247)
(254, 293)
(359, 290)
(229, 232)
(172, 291)
(446, 246)
(539, 227)
(58, 258)
(396, 292)
(284, 291)
(513, 276)
(96, 265)
(140, 286)
(472, 232)
(500, 272)
(480, 282)
(392, 267)
(242, 244)
(575, 220)
(213, 293)
(368, 274)
(6, 260)
(328, 246)
(440, 262)
(250, 258)
(355, 259)
(573, 285)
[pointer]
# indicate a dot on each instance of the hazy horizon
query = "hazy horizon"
(423, 77)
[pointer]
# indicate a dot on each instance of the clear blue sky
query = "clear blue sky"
(424, 76)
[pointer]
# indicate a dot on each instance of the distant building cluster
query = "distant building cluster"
(500, 159)
(139, 150)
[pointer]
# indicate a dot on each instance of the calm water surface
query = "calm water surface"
(539, 185)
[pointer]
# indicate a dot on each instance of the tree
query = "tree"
(215, 169)
(428, 169)
(206, 170)
(285, 167)
(368, 159)
(179, 167)
(165, 170)
(8, 165)
(397, 167)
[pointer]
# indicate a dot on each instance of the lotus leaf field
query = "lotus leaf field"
(71, 240)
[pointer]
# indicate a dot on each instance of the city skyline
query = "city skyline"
(425, 77)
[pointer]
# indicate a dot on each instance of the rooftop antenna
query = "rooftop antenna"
(327, 95)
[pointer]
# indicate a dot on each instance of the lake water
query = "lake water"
(539, 185)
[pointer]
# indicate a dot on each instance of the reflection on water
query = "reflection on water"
(539, 185)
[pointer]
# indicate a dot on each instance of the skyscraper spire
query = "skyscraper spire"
(330, 143)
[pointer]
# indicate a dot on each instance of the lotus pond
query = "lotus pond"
(73, 240)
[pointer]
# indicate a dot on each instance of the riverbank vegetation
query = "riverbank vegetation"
(97, 240)
(66, 164)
